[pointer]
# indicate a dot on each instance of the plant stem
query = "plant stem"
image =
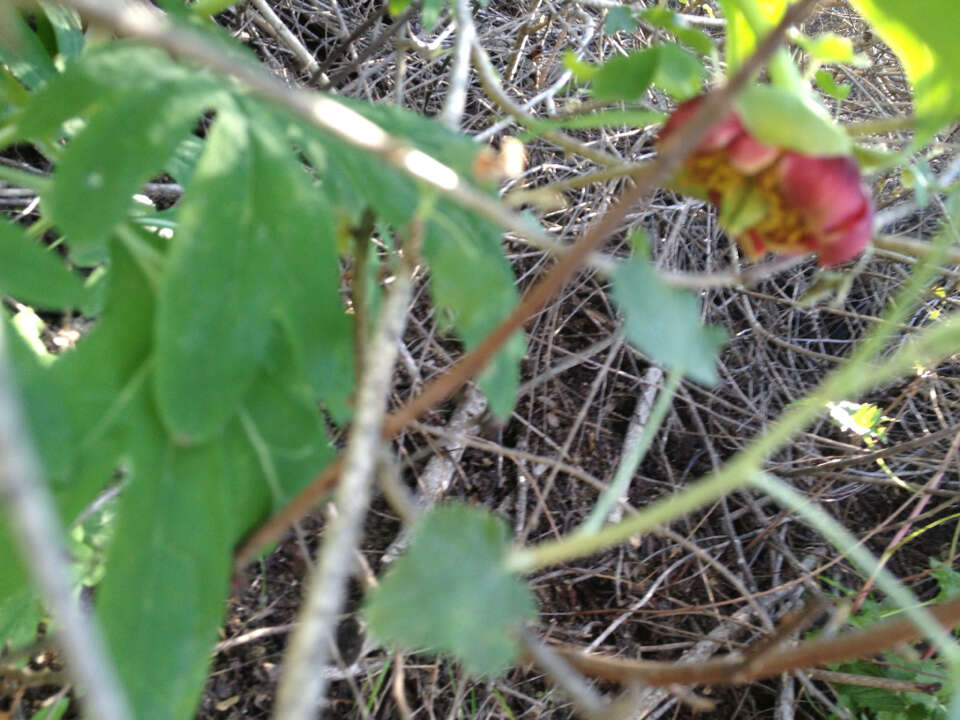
(32, 516)
(302, 687)
(848, 544)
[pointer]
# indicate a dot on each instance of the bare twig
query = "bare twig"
(585, 699)
(32, 516)
(733, 670)
(304, 57)
(301, 688)
(456, 99)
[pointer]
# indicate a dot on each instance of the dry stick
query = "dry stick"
(673, 153)
(858, 644)
(32, 517)
(456, 99)
(345, 44)
(301, 687)
(398, 24)
(304, 57)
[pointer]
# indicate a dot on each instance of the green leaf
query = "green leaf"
(679, 73)
(182, 164)
(67, 27)
(780, 117)
(43, 404)
(430, 13)
(619, 19)
(52, 712)
(740, 39)
(22, 51)
(213, 312)
(663, 322)
(922, 34)
(99, 78)
(582, 71)
(397, 6)
(471, 278)
(306, 267)
(283, 425)
(829, 48)
(947, 578)
(97, 382)
(831, 87)
(450, 592)
(162, 598)
(34, 274)
(625, 77)
(20, 616)
(120, 149)
(677, 26)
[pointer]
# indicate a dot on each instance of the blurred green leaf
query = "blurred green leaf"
(34, 274)
(450, 592)
(52, 712)
(625, 77)
(22, 51)
(67, 27)
(947, 578)
(100, 77)
(669, 21)
(162, 598)
(829, 48)
(664, 323)
(430, 13)
(831, 87)
(619, 19)
(582, 71)
(780, 117)
(120, 149)
(923, 36)
(679, 73)
(20, 615)
(471, 278)
(213, 310)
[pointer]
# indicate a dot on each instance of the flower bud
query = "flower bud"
(813, 204)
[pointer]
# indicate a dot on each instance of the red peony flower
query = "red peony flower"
(775, 200)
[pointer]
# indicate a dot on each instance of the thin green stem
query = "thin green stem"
(849, 545)
(633, 458)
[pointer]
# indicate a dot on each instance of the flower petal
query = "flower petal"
(828, 190)
(749, 155)
(717, 137)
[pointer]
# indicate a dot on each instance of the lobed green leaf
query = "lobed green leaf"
(451, 592)
(664, 323)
